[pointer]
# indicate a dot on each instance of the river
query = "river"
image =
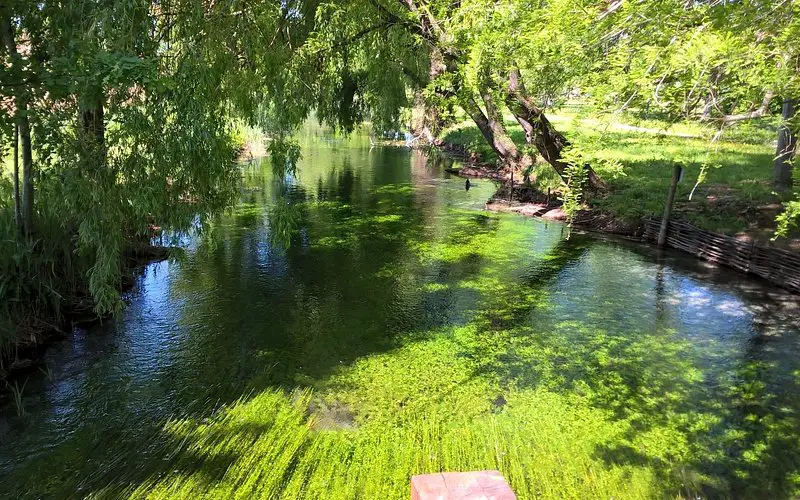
(363, 319)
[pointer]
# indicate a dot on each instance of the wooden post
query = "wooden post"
(662, 234)
(787, 143)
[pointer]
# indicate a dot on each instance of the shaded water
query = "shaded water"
(432, 335)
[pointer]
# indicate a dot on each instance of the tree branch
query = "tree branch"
(762, 111)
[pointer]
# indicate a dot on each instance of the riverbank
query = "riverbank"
(525, 199)
(725, 188)
(34, 333)
(753, 250)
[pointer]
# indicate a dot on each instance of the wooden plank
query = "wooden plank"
(475, 485)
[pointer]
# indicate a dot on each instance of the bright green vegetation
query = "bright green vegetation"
(736, 169)
(342, 319)
(128, 113)
(406, 331)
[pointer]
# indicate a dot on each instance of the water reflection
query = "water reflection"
(362, 250)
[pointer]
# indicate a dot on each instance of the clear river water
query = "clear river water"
(364, 319)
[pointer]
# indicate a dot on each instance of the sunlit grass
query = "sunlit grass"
(737, 167)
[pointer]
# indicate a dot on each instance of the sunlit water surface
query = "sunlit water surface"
(324, 278)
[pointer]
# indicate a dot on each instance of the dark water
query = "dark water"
(384, 244)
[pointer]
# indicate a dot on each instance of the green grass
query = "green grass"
(733, 197)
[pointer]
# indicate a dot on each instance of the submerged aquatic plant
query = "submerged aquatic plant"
(16, 393)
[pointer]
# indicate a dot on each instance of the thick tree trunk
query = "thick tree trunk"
(539, 131)
(21, 103)
(92, 131)
(504, 145)
(492, 132)
(787, 145)
(511, 155)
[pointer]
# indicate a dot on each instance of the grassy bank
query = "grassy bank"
(734, 193)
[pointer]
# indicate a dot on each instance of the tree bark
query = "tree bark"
(27, 176)
(17, 201)
(539, 131)
(492, 133)
(21, 118)
(787, 145)
(508, 150)
(91, 130)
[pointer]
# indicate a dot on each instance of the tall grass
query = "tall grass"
(17, 393)
(36, 275)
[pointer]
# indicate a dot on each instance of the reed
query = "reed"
(17, 394)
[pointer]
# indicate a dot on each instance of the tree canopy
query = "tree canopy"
(125, 108)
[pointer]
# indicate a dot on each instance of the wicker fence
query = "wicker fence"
(777, 266)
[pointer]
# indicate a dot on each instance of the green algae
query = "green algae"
(393, 330)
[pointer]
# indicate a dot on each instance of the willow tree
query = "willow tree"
(362, 59)
(131, 105)
(717, 62)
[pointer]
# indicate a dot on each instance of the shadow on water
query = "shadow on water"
(362, 253)
(699, 352)
(288, 288)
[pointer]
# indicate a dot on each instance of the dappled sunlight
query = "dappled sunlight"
(390, 329)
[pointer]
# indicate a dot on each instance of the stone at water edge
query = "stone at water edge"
(483, 485)
(531, 209)
(555, 214)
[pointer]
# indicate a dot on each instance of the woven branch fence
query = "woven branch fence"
(777, 266)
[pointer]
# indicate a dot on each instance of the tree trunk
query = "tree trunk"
(539, 131)
(92, 131)
(787, 144)
(17, 201)
(27, 175)
(493, 132)
(512, 156)
(21, 118)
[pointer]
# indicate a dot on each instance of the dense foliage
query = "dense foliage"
(126, 107)
(122, 110)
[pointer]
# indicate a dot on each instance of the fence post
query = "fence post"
(676, 176)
